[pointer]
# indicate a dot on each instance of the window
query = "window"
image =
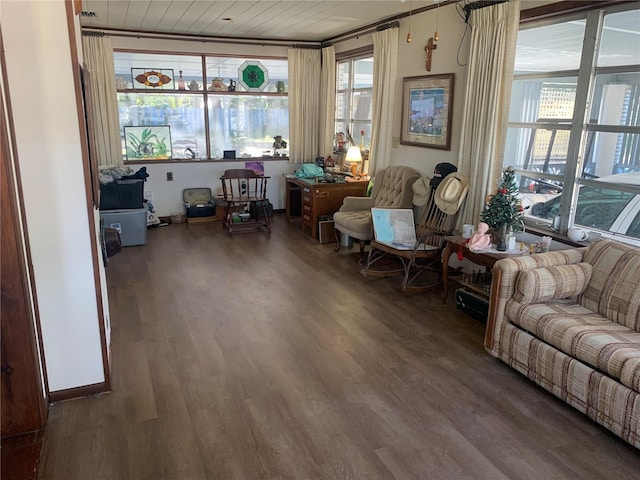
(354, 92)
(211, 104)
(574, 121)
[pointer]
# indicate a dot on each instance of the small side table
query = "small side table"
(456, 244)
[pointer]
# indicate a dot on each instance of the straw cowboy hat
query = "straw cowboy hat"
(451, 193)
(420, 191)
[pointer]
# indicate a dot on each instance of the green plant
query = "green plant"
(148, 144)
(504, 207)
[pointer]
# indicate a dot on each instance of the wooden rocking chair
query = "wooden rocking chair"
(425, 256)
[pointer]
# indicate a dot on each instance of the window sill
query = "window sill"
(541, 231)
(210, 160)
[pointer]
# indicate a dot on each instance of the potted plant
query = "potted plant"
(503, 211)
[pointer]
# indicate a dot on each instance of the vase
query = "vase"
(501, 244)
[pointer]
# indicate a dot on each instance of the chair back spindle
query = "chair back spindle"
(241, 187)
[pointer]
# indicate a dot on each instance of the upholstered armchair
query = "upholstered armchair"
(391, 189)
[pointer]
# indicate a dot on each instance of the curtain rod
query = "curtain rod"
(469, 7)
(92, 33)
(377, 28)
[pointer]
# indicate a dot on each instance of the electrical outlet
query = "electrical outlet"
(395, 143)
(169, 176)
(148, 196)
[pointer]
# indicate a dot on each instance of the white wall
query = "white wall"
(167, 195)
(43, 101)
(411, 62)
(20, 227)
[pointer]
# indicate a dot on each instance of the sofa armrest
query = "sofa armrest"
(356, 204)
(504, 277)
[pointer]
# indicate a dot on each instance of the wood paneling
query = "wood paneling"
(291, 21)
(23, 400)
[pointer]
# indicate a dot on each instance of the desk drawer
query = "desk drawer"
(307, 219)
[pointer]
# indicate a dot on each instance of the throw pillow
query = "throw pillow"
(541, 285)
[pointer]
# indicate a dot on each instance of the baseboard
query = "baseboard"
(78, 392)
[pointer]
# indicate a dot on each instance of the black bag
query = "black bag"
(441, 171)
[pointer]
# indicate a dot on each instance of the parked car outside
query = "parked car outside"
(601, 208)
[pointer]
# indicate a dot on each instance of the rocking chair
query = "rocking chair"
(437, 222)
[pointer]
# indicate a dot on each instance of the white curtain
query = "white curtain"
(304, 104)
(487, 97)
(327, 101)
(98, 59)
(385, 66)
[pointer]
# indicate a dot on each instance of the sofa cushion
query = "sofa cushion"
(543, 284)
(355, 224)
(612, 290)
(580, 333)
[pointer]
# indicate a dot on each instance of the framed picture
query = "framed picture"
(427, 109)
(152, 142)
(257, 167)
(85, 78)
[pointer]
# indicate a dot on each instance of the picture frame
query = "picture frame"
(427, 111)
(85, 80)
(257, 167)
(149, 142)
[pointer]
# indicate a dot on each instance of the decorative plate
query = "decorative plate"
(253, 76)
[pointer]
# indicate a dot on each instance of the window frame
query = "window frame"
(580, 127)
(206, 96)
(351, 57)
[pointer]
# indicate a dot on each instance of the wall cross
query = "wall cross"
(429, 48)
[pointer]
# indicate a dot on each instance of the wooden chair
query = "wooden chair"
(426, 256)
(242, 188)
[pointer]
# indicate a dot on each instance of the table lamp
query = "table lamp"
(354, 156)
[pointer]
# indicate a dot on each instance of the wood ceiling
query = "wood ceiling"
(303, 20)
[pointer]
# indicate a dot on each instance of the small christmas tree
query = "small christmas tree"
(504, 207)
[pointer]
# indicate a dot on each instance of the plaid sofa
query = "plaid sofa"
(570, 321)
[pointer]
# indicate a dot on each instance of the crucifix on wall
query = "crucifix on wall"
(429, 48)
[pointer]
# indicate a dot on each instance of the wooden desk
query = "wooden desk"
(484, 259)
(318, 199)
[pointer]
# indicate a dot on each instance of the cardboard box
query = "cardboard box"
(326, 232)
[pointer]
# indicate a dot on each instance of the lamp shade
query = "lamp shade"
(353, 155)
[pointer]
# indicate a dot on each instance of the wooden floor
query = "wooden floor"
(270, 357)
